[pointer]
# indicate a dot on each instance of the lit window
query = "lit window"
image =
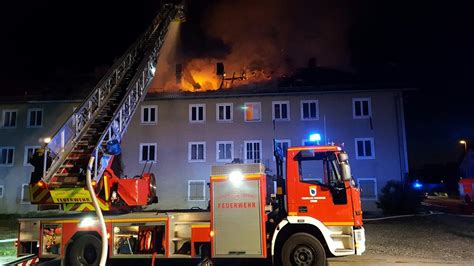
(224, 151)
(365, 148)
(253, 112)
(6, 156)
(224, 112)
(368, 188)
(361, 108)
(9, 118)
(149, 114)
(25, 194)
(253, 151)
(197, 113)
(281, 110)
(283, 144)
(147, 152)
(35, 117)
(310, 110)
(196, 190)
(29, 151)
(196, 151)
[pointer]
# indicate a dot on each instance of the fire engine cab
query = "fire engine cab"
(315, 213)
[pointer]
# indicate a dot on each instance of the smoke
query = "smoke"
(264, 40)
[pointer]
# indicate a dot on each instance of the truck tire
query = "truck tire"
(303, 249)
(84, 251)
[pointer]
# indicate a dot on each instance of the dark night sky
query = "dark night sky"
(428, 44)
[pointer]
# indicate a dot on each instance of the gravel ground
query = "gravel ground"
(437, 237)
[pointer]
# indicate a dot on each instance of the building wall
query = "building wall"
(173, 131)
(12, 177)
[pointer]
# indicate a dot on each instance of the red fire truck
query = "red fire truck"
(315, 213)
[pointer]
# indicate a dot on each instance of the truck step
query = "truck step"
(341, 236)
(344, 250)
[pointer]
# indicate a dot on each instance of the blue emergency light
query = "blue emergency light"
(314, 137)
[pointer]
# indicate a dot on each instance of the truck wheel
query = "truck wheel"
(85, 251)
(303, 249)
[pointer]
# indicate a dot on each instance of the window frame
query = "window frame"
(190, 160)
(281, 140)
(2, 189)
(372, 145)
(25, 155)
(231, 112)
(231, 151)
(203, 190)
(245, 151)
(287, 110)
(375, 187)
(3, 118)
(140, 152)
(190, 110)
(29, 117)
(142, 117)
(13, 156)
(362, 116)
(22, 201)
(309, 102)
(245, 112)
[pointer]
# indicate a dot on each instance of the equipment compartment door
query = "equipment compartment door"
(237, 219)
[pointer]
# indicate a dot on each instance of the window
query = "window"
(368, 188)
(320, 167)
(35, 118)
(196, 190)
(147, 152)
(281, 110)
(9, 118)
(25, 194)
(197, 113)
(253, 112)
(6, 156)
(283, 144)
(1, 191)
(196, 151)
(253, 151)
(224, 151)
(361, 108)
(310, 110)
(29, 151)
(224, 112)
(149, 114)
(365, 148)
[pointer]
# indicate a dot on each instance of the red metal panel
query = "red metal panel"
(317, 198)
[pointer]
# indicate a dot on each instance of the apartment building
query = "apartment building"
(181, 135)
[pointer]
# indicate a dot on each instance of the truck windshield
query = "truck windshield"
(321, 167)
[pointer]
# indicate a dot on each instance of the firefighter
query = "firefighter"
(37, 160)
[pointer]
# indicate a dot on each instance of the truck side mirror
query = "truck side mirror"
(346, 171)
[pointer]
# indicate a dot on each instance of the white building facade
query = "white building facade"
(181, 135)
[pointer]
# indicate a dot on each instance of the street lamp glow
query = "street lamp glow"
(464, 142)
(47, 140)
(315, 137)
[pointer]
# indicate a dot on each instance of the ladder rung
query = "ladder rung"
(67, 166)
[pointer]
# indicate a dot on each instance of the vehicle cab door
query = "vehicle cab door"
(316, 188)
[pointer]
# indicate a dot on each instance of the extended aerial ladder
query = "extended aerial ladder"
(102, 117)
